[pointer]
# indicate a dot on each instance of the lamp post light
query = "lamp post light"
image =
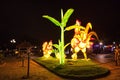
(101, 46)
(13, 41)
(101, 43)
(13, 46)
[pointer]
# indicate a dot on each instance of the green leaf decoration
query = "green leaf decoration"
(66, 17)
(53, 20)
(73, 27)
(61, 14)
(60, 45)
(56, 46)
(66, 45)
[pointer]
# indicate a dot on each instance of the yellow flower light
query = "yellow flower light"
(81, 39)
(47, 49)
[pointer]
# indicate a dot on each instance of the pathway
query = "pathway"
(13, 70)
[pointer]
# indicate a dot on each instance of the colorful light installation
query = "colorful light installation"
(81, 38)
(47, 48)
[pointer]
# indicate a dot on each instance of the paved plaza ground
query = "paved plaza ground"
(12, 70)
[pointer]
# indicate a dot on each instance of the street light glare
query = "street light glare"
(101, 43)
(13, 41)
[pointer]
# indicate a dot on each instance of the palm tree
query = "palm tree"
(62, 25)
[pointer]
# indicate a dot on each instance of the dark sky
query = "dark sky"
(23, 20)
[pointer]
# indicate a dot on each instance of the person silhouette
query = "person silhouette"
(117, 53)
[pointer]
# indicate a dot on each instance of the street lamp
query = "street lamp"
(28, 69)
(13, 41)
(101, 43)
(28, 66)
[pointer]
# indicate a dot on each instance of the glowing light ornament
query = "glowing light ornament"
(81, 38)
(64, 19)
(47, 48)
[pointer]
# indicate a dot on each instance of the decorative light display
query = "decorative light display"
(81, 38)
(61, 25)
(47, 48)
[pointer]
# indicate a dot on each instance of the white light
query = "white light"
(101, 43)
(13, 41)
(35, 46)
(113, 42)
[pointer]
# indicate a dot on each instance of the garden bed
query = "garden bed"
(79, 69)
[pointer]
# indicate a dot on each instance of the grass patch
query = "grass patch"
(79, 69)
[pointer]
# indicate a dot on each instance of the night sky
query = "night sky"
(23, 20)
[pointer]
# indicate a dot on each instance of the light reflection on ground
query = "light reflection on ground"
(104, 58)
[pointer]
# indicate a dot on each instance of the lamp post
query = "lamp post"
(28, 67)
(13, 45)
(101, 46)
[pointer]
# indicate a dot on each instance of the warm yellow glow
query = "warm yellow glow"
(57, 55)
(82, 45)
(16, 52)
(89, 44)
(74, 56)
(81, 39)
(46, 55)
(47, 49)
(76, 49)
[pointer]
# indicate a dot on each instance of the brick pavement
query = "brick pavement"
(114, 71)
(13, 70)
(108, 62)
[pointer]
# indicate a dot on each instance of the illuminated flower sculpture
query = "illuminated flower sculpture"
(61, 25)
(81, 38)
(47, 48)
